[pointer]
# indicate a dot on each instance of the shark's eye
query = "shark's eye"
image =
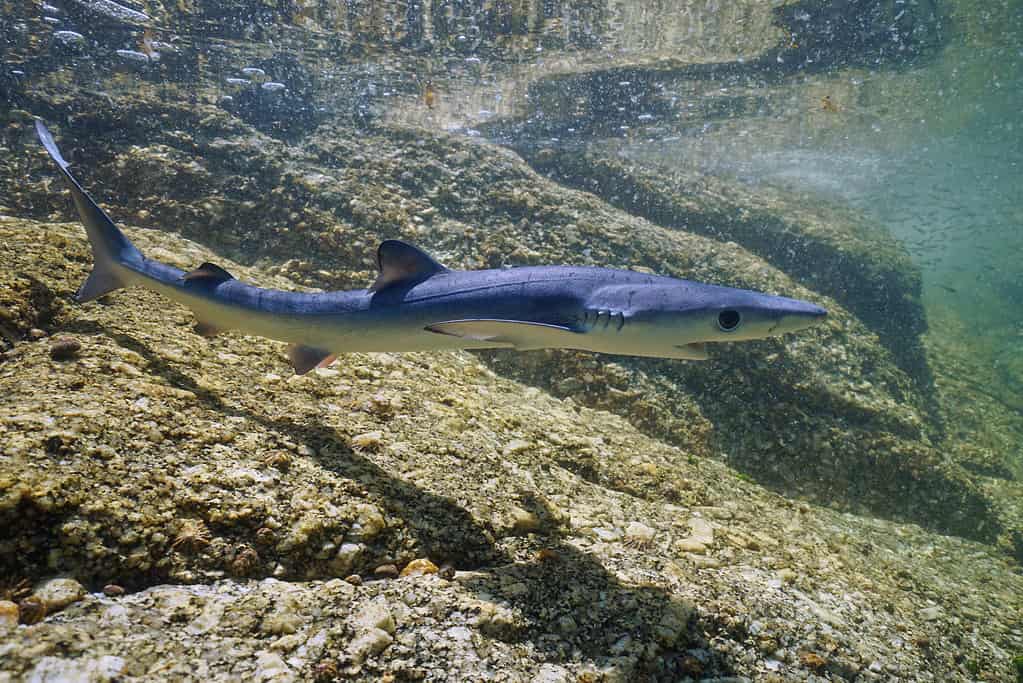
(728, 320)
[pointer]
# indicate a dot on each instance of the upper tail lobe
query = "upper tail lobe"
(111, 250)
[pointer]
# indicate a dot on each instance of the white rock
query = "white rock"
(271, 667)
(371, 641)
(552, 673)
(376, 614)
(78, 670)
(59, 593)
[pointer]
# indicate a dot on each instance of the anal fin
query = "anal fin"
(305, 358)
(523, 336)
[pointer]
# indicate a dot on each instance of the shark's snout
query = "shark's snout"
(799, 317)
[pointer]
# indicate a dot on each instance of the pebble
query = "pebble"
(386, 571)
(419, 568)
(701, 530)
(787, 575)
(516, 446)
(346, 556)
(271, 667)
(32, 610)
(369, 441)
(112, 590)
(690, 545)
(376, 615)
(105, 668)
(370, 522)
(638, 532)
(524, 521)
(8, 614)
(931, 613)
(114, 11)
(68, 38)
(65, 348)
(552, 673)
(133, 57)
(59, 593)
(370, 641)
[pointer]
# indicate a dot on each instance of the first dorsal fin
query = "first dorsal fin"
(208, 272)
(402, 263)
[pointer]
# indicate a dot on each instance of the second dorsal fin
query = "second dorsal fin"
(208, 272)
(400, 263)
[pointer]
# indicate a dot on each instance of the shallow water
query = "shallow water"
(844, 502)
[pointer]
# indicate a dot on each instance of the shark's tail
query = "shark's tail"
(111, 250)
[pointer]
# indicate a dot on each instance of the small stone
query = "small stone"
(419, 568)
(516, 446)
(270, 666)
(446, 572)
(931, 613)
(8, 614)
(346, 557)
(68, 39)
(638, 532)
(245, 560)
(701, 530)
(59, 593)
(370, 641)
(386, 571)
(523, 521)
(552, 673)
(370, 441)
(376, 615)
(112, 11)
(354, 579)
(133, 58)
(812, 661)
(689, 545)
(35, 334)
(370, 522)
(325, 670)
(32, 610)
(112, 590)
(787, 575)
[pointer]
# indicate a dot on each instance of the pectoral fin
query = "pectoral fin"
(523, 336)
(305, 358)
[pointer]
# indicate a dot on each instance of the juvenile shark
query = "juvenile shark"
(416, 304)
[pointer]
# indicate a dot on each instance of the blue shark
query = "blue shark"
(417, 304)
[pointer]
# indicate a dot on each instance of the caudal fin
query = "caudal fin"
(111, 250)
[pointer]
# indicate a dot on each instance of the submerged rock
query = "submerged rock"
(111, 11)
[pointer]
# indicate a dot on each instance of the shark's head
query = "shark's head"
(677, 319)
